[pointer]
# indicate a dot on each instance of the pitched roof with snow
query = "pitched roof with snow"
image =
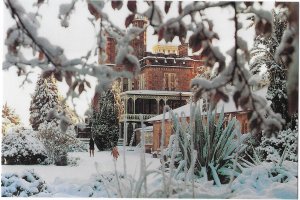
(156, 93)
(229, 107)
(146, 129)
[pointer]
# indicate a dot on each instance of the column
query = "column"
(121, 84)
(134, 98)
(120, 130)
(125, 105)
(133, 124)
(132, 138)
(125, 131)
(165, 102)
(157, 103)
(129, 84)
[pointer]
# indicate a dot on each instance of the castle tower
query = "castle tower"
(139, 44)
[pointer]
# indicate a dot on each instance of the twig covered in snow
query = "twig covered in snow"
(65, 11)
(261, 118)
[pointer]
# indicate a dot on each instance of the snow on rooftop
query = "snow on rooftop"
(229, 107)
(174, 66)
(146, 129)
(168, 57)
(156, 92)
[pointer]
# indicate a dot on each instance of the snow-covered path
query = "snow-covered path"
(66, 180)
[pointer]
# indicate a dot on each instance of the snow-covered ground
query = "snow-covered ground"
(65, 181)
(81, 180)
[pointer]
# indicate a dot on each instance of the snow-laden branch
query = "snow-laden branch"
(65, 11)
(261, 117)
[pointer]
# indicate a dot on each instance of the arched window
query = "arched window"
(130, 106)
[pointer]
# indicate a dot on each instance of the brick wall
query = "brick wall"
(110, 50)
(154, 77)
(157, 130)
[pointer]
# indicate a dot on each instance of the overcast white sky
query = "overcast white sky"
(76, 40)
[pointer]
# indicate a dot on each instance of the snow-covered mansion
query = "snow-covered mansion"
(164, 80)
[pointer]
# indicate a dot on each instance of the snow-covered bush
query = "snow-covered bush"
(21, 146)
(267, 179)
(272, 148)
(25, 185)
(215, 147)
(109, 182)
(56, 143)
(78, 146)
(73, 161)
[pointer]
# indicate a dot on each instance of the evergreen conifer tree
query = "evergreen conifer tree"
(105, 128)
(44, 99)
(263, 54)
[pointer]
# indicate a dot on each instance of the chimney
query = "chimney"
(110, 50)
(139, 44)
(183, 50)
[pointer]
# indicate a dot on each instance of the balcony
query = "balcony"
(136, 117)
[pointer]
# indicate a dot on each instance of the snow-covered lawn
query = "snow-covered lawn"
(65, 181)
(81, 180)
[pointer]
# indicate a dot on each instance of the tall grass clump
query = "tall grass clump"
(206, 147)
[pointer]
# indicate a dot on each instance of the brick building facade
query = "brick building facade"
(164, 79)
(241, 116)
(230, 111)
